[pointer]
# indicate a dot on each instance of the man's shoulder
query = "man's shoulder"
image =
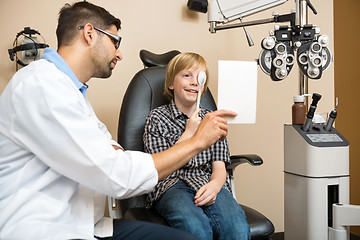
(38, 69)
(35, 70)
(42, 74)
(42, 65)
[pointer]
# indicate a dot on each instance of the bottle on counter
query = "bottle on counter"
(298, 110)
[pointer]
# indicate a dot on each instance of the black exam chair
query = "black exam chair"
(144, 93)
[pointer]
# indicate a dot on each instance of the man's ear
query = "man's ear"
(89, 34)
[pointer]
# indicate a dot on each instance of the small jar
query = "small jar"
(298, 110)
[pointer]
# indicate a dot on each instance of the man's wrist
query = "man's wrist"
(196, 143)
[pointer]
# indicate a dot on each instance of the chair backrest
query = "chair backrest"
(144, 93)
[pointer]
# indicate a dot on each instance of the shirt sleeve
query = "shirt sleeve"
(154, 134)
(220, 151)
(53, 121)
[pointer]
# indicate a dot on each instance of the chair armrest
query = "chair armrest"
(251, 159)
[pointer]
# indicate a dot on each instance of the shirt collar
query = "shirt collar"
(52, 56)
(176, 113)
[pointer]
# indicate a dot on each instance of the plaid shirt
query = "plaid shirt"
(164, 126)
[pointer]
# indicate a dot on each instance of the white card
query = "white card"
(237, 89)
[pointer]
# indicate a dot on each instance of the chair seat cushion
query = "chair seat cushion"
(260, 227)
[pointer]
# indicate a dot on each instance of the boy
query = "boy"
(196, 198)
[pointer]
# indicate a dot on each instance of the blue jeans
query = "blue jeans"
(225, 219)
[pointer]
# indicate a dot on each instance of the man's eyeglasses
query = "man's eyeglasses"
(114, 38)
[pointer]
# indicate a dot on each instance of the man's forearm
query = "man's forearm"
(172, 159)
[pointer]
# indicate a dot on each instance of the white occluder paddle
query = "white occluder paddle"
(201, 81)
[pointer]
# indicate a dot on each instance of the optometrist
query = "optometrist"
(58, 161)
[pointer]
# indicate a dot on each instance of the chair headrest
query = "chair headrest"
(150, 59)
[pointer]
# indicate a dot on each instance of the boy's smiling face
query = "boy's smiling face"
(186, 87)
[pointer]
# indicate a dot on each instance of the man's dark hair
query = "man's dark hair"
(79, 14)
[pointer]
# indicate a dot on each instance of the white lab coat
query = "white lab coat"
(55, 159)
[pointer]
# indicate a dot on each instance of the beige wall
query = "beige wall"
(163, 25)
